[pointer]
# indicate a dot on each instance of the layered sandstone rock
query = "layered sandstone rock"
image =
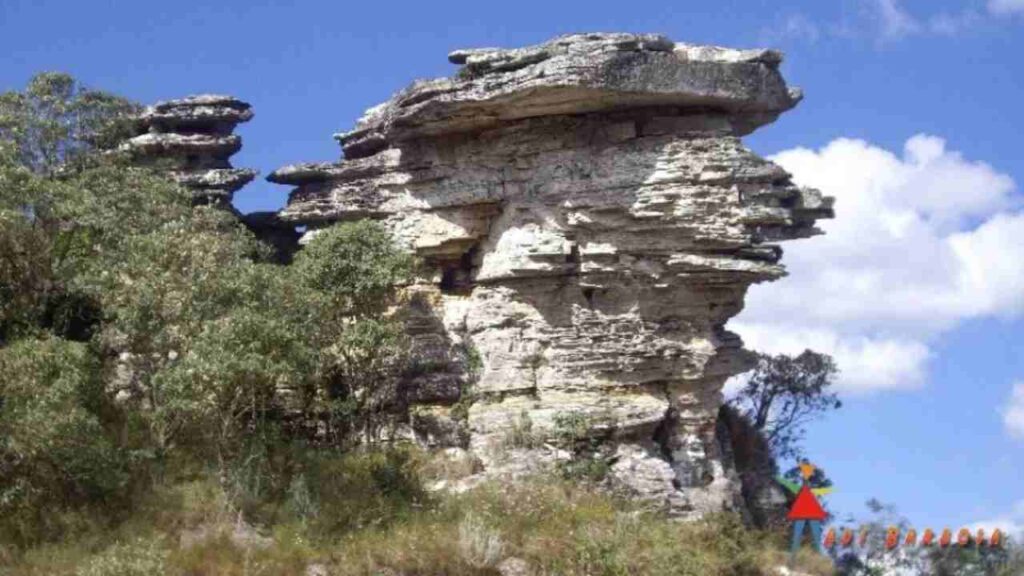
(192, 138)
(589, 220)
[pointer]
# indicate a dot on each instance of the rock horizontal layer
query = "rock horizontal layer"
(208, 112)
(170, 144)
(192, 139)
(229, 179)
(588, 220)
(577, 74)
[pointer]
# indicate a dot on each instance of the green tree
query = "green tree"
(873, 559)
(164, 294)
(55, 123)
(153, 330)
(61, 201)
(361, 385)
(974, 560)
(784, 393)
(356, 265)
(354, 269)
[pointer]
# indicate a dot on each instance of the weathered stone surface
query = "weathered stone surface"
(589, 221)
(192, 139)
(209, 113)
(577, 74)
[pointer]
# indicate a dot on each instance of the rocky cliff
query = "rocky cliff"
(588, 220)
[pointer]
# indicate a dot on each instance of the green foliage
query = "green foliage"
(54, 451)
(215, 358)
(556, 528)
(1006, 560)
(467, 394)
(25, 275)
(474, 363)
(191, 320)
(784, 393)
(356, 491)
(356, 265)
(972, 560)
(55, 122)
(584, 437)
(360, 385)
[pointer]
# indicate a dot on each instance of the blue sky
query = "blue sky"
(912, 119)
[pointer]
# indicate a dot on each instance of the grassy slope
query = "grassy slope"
(363, 517)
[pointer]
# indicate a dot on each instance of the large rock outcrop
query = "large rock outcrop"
(590, 221)
(192, 138)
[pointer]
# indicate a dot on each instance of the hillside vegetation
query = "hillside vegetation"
(173, 400)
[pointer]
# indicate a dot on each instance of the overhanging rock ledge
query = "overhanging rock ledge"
(589, 220)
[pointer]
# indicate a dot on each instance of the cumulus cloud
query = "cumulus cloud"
(1005, 7)
(1013, 415)
(921, 241)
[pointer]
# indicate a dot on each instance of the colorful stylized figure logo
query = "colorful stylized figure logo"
(806, 511)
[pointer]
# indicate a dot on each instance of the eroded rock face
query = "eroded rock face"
(590, 220)
(192, 138)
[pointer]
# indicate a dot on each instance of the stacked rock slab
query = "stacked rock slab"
(591, 220)
(192, 138)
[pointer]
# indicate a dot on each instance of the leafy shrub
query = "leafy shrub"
(355, 264)
(360, 380)
(583, 437)
(24, 275)
(54, 451)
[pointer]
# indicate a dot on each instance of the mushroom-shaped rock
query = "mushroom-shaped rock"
(588, 220)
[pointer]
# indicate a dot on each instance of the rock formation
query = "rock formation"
(193, 139)
(590, 221)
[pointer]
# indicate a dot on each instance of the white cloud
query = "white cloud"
(884, 21)
(866, 363)
(894, 20)
(796, 26)
(1004, 7)
(1013, 415)
(1010, 523)
(921, 242)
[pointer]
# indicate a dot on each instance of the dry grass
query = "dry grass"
(555, 527)
(558, 528)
